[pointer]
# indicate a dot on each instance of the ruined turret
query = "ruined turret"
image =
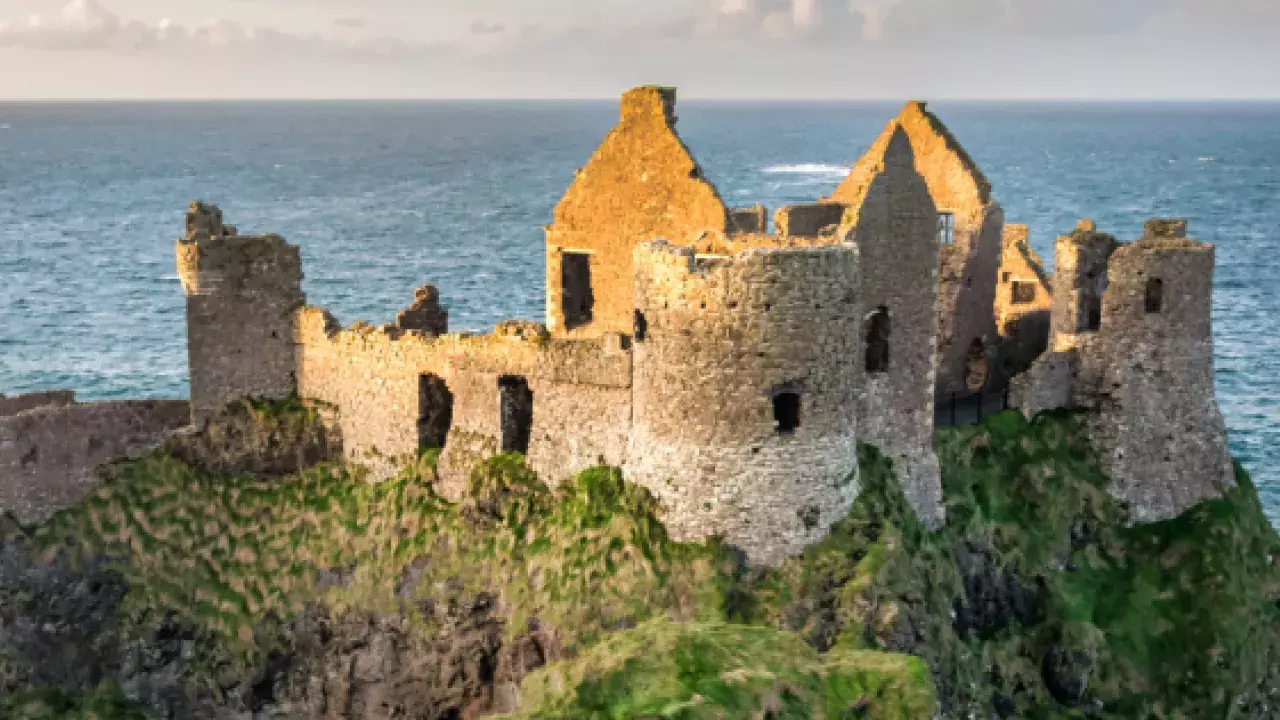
(1133, 341)
(241, 294)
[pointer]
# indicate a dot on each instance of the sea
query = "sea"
(384, 197)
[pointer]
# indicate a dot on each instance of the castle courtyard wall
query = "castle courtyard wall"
(581, 394)
(728, 344)
(50, 454)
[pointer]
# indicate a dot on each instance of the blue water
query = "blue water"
(385, 197)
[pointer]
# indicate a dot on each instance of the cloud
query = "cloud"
(89, 25)
(480, 27)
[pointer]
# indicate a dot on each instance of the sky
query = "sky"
(765, 49)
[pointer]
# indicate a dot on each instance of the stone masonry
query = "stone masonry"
(51, 446)
(1024, 303)
(241, 294)
(1143, 365)
(895, 229)
(745, 402)
(970, 227)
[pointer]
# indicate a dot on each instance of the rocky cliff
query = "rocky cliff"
(201, 582)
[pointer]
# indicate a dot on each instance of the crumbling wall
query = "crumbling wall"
(20, 403)
(754, 219)
(641, 184)
(745, 399)
(1080, 269)
(895, 228)
(968, 265)
(241, 294)
(809, 220)
(1146, 372)
(1159, 432)
(1024, 303)
(371, 376)
(49, 454)
(425, 314)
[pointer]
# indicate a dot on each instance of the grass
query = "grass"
(1171, 620)
(689, 671)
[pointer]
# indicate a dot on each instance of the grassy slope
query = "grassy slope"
(1174, 620)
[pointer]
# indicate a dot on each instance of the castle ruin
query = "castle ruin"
(733, 370)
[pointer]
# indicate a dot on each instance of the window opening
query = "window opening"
(786, 412)
(1024, 293)
(1155, 296)
(976, 366)
(577, 299)
(516, 408)
(641, 329)
(877, 341)
(946, 228)
(435, 412)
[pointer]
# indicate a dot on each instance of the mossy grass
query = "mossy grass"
(105, 703)
(1175, 619)
(663, 669)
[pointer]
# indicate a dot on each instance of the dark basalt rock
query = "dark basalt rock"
(1066, 674)
(994, 596)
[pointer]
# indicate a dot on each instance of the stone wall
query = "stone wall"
(1080, 269)
(895, 228)
(20, 403)
(1146, 372)
(968, 265)
(745, 396)
(49, 455)
(1024, 304)
(1160, 435)
(241, 294)
(373, 376)
(642, 184)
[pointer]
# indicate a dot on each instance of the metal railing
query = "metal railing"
(970, 408)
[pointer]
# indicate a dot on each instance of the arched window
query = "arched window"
(516, 408)
(877, 341)
(435, 412)
(1155, 296)
(786, 412)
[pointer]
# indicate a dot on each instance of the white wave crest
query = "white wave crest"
(808, 169)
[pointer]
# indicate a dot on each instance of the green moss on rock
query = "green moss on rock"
(685, 670)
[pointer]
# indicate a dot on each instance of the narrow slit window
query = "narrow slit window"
(1155, 296)
(1024, 293)
(877, 341)
(516, 408)
(641, 330)
(946, 228)
(1090, 314)
(786, 413)
(577, 298)
(435, 412)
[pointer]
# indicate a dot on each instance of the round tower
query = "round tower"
(745, 394)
